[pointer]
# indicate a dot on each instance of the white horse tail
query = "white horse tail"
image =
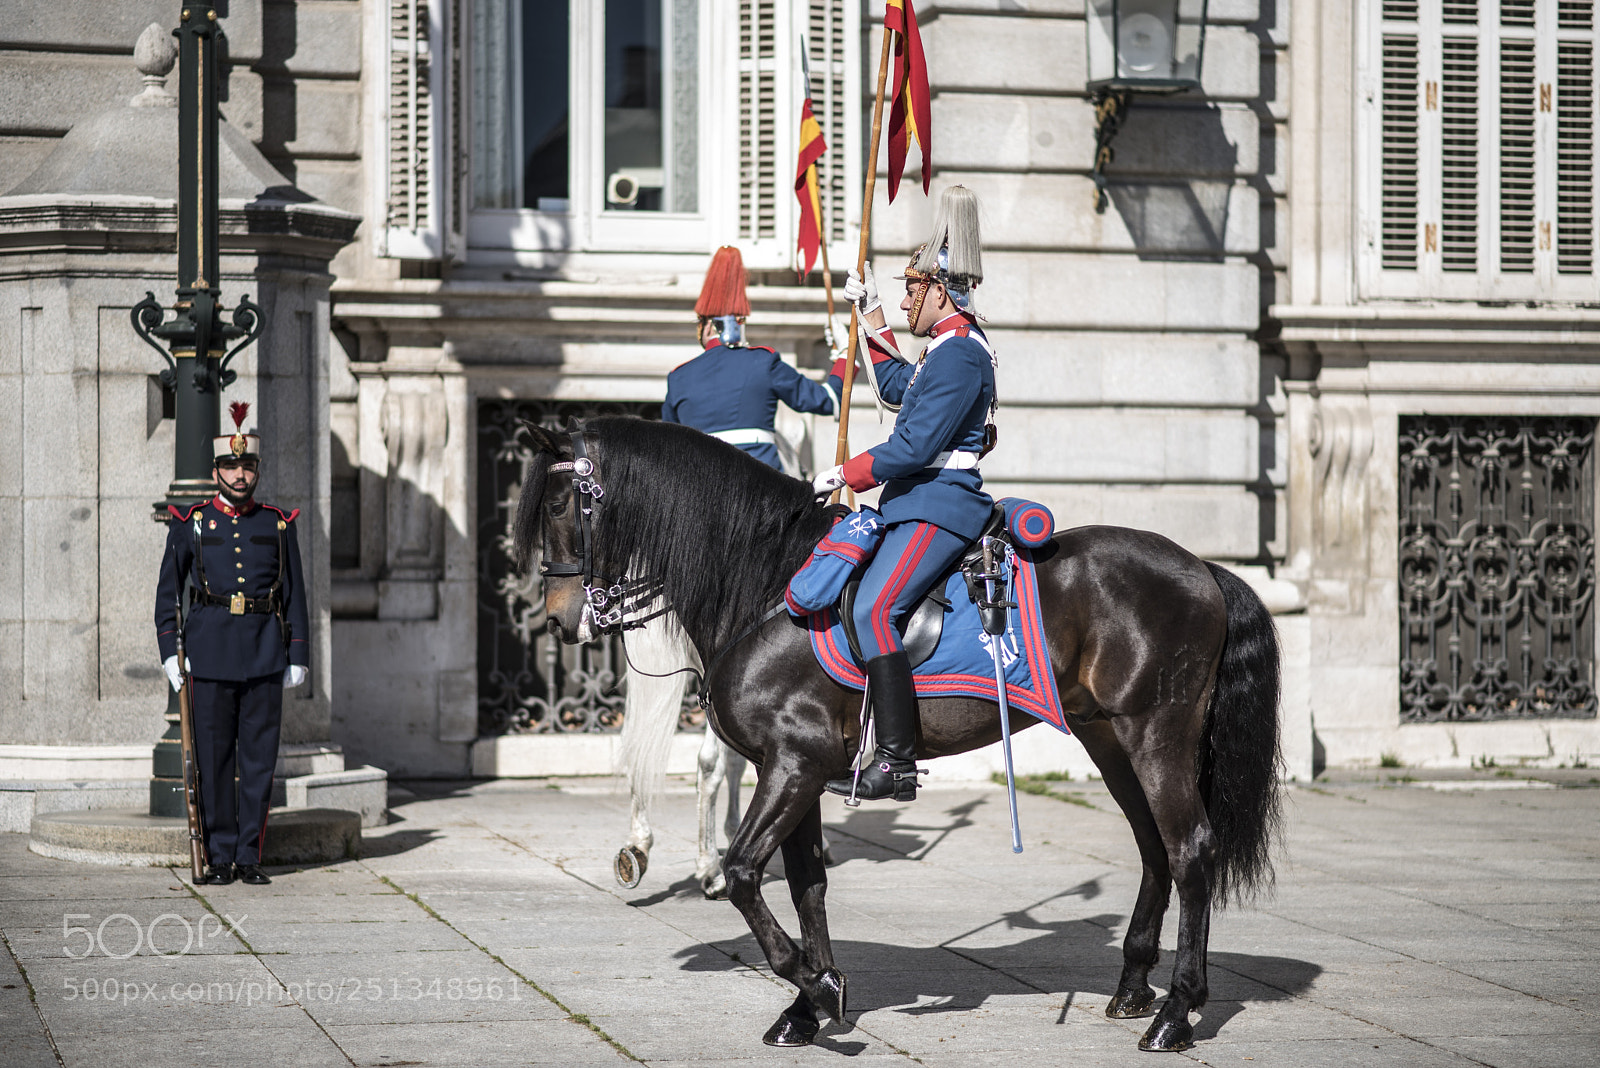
(651, 714)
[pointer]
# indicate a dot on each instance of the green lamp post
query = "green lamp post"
(197, 338)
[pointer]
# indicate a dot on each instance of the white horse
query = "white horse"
(650, 721)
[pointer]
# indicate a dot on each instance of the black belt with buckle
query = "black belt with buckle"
(238, 604)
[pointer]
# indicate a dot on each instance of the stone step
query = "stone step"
(133, 838)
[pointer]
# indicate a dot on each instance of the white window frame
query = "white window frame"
(1429, 281)
(527, 233)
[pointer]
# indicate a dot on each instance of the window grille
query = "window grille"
(1496, 568)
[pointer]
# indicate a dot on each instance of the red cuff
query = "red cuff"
(857, 472)
(837, 370)
(879, 353)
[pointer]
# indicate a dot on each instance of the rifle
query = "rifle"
(191, 767)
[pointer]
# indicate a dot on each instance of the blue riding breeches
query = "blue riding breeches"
(909, 561)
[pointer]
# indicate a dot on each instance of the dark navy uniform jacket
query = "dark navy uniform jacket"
(739, 389)
(945, 402)
(239, 555)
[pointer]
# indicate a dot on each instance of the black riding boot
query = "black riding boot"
(893, 771)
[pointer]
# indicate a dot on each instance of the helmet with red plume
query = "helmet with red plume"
(237, 445)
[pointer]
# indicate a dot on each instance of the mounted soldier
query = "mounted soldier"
(933, 501)
(235, 562)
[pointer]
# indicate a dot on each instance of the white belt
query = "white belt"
(747, 436)
(959, 460)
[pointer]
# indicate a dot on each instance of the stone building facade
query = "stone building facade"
(1207, 358)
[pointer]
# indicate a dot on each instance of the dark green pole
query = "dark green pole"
(196, 338)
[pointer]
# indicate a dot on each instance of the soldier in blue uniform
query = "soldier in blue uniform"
(731, 390)
(236, 563)
(932, 501)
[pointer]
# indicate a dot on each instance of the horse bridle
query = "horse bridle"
(604, 602)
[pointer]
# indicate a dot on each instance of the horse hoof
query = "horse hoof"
(1132, 1006)
(714, 886)
(791, 1030)
(630, 865)
(827, 992)
(1167, 1036)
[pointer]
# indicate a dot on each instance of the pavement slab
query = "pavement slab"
(1409, 927)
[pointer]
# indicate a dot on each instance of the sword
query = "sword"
(996, 628)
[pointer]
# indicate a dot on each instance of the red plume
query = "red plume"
(239, 409)
(724, 289)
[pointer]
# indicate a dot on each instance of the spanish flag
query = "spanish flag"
(910, 118)
(805, 187)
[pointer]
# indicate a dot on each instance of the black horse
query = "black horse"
(1167, 668)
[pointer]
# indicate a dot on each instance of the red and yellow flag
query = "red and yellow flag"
(805, 187)
(910, 118)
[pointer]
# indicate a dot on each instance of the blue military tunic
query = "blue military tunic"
(945, 401)
(724, 391)
(238, 555)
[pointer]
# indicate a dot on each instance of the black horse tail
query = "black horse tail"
(1239, 763)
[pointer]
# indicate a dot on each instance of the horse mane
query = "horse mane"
(719, 530)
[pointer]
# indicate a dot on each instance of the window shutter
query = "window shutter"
(770, 92)
(1399, 148)
(1575, 110)
(758, 119)
(424, 119)
(1482, 125)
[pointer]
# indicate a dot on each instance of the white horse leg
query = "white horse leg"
(735, 765)
(649, 722)
(713, 768)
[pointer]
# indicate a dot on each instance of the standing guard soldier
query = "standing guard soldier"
(236, 562)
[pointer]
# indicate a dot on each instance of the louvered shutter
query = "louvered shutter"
(769, 91)
(426, 157)
(1483, 166)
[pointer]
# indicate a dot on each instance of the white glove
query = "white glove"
(170, 666)
(294, 675)
(828, 481)
(861, 289)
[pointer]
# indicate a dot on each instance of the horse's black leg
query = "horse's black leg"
(1141, 946)
(1172, 790)
(784, 797)
(804, 865)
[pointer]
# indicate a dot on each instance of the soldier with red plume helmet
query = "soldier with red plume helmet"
(235, 562)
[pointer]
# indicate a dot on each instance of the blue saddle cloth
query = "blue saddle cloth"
(962, 665)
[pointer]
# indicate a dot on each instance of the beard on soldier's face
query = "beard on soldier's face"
(231, 495)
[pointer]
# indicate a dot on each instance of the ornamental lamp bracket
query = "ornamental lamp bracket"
(1138, 46)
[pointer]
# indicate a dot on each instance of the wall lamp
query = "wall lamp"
(1138, 46)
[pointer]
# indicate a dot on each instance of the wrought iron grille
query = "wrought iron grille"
(1496, 568)
(528, 681)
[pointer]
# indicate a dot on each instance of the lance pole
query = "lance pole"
(842, 453)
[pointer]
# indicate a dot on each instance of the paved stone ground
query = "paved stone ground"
(1412, 926)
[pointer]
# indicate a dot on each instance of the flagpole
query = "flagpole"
(842, 452)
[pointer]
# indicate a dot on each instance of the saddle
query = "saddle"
(923, 626)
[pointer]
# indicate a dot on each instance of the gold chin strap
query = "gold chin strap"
(926, 280)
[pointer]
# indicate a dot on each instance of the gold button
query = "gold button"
(241, 580)
(240, 566)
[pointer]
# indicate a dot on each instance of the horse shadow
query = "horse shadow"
(1075, 959)
(1078, 957)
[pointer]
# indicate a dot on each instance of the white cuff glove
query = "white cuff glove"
(828, 481)
(294, 675)
(861, 289)
(170, 666)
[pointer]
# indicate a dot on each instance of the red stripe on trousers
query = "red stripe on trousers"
(882, 631)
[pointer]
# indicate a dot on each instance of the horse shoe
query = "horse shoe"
(630, 865)
(1167, 1036)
